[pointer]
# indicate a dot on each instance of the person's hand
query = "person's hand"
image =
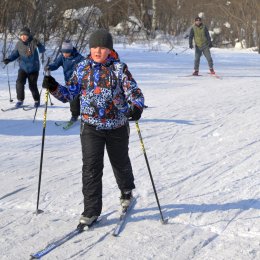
(6, 61)
(135, 113)
(50, 83)
(210, 45)
(191, 46)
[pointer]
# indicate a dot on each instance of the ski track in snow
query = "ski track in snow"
(202, 140)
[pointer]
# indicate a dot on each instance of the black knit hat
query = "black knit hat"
(197, 18)
(25, 31)
(101, 38)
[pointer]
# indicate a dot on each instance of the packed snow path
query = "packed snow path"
(202, 140)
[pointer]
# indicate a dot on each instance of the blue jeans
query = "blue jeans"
(198, 53)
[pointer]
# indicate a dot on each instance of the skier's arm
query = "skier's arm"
(56, 64)
(133, 94)
(208, 36)
(40, 46)
(191, 36)
(14, 55)
(63, 93)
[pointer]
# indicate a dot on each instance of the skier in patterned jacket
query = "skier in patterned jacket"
(109, 98)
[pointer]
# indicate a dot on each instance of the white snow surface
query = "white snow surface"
(202, 139)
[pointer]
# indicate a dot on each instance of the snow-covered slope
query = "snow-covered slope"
(202, 139)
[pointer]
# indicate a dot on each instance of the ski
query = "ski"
(80, 228)
(30, 108)
(215, 75)
(66, 125)
(13, 108)
(69, 124)
(190, 75)
(59, 123)
(122, 218)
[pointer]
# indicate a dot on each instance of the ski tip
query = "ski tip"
(81, 227)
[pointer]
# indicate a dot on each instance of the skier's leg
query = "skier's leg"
(93, 145)
(117, 142)
(198, 54)
(20, 83)
(75, 108)
(207, 54)
(32, 79)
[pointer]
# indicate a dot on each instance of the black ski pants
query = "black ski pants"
(75, 107)
(93, 145)
(32, 80)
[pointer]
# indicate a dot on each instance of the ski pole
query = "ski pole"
(38, 211)
(164, 221)
(10, 97)
(177, 53)
(47, 73)
(50, 100)
(37, 107)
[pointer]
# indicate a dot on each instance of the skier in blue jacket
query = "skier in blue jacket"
(68, 59)
(26, 50)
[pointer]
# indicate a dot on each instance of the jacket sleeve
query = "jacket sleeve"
(40, 47)
(71, 90)
(133, 93)
(191, 36)
(14, 55)
(56, 64)
(207, 35)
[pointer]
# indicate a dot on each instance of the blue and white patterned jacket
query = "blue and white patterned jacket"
(105, 92)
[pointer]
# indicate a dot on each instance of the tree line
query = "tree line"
(230, 21)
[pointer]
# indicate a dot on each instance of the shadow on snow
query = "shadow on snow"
(25, 127)
(174, 210)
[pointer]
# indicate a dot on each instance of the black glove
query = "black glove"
(135, 113)
(191, 46)
(50, 83)
(6, 61)
(210, 45)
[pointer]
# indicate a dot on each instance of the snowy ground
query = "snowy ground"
(202, 139)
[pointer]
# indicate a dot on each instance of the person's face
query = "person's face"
(66, 54)
(198, 22)
(24, 37)
(99, 54)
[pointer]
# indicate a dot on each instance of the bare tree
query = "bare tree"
(137, 18)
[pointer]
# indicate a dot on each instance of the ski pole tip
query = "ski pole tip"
(164, 221)
(38, 211)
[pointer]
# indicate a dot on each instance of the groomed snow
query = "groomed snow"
(202, 140)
